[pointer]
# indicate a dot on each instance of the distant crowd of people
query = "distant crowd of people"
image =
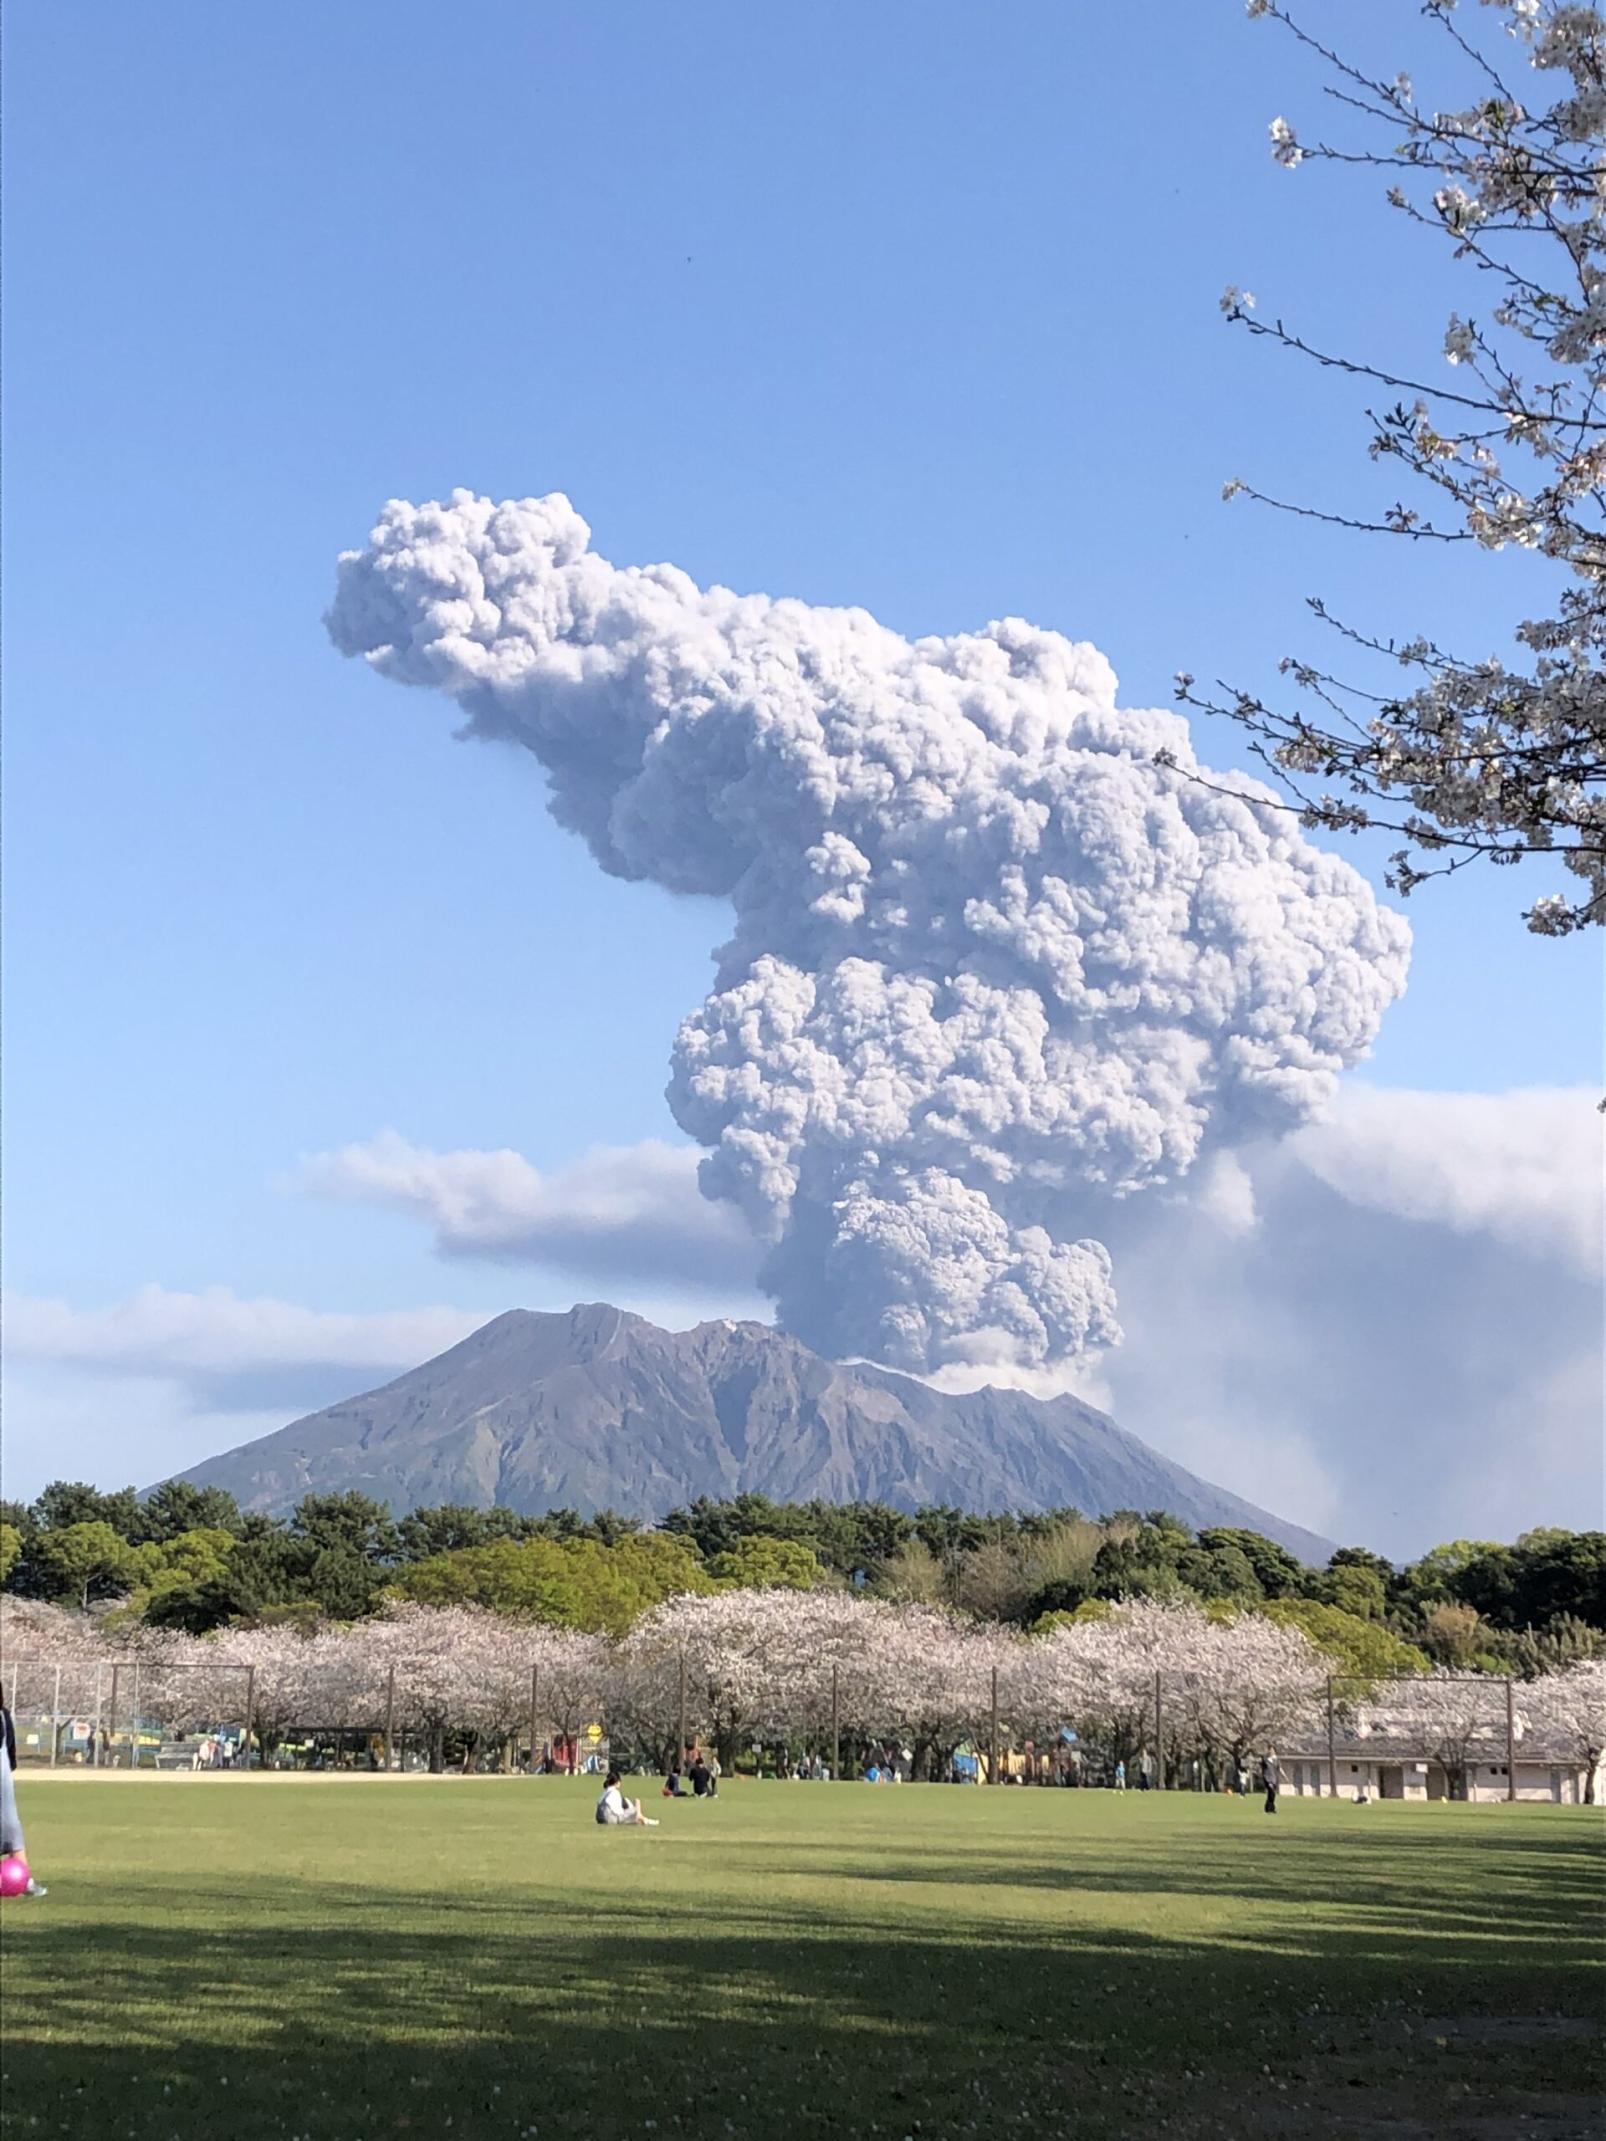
(687, 1766)
(702, 1772)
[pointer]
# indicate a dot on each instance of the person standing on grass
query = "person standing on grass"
(1271, 1777)
(1120, 1776)
(11, 1838)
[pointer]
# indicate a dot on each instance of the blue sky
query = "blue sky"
(910, 309)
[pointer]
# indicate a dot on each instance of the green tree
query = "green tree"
(1138, 1558)
(912, 1575)
(179, 1578)
(1362, 1649)
(525, 1581)
(66, 1502)
(1276, 1571)
(1351, 1588)
(762, 1563)
(616, 1585)
(993, 1580)
(345, 1584)
(1557, 1572)
(1061, 1550)
(1564, 1641)
(447, 1528)
(950, 1532)
(348, 1523)
(856, 1538)
(179, 1506)
(1437, 1574)
(10, 1549)
(88, 1561)
(1457, 1636)
(608, 1527)
(1220, 1572)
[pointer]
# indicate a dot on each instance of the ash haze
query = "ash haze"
(993, 970)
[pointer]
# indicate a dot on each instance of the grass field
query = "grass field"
(352, 1956)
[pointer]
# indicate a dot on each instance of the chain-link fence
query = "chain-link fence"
(1445, 1737)
(128, 1712)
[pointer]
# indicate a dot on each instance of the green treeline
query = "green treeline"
(187, 1557)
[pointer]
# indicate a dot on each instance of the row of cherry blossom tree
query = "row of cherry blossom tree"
(823, 1669)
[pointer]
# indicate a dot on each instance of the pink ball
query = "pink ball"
(14, 1875)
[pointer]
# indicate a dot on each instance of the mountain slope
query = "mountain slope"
(599, 1408)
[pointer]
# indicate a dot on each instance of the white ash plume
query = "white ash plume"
(991, 966)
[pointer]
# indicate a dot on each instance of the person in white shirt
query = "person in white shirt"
(615, 1811)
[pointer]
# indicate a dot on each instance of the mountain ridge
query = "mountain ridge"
(597, 1407)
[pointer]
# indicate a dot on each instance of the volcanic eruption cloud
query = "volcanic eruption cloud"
(992, 967)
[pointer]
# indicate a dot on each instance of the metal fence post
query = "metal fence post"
(1159, 1731)
(992, 1760)
(55, 1720)
(680, 1745)
(390, 1716)
(535, 1701)
(836, 1731)
(250, 1712)
(1511, 1743)
(111, 1722)
(1332, 1759)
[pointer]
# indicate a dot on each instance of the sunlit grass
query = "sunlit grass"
(337, 1957)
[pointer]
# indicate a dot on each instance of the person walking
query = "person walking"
(11, 1838)
(1120, 1776)
(1271, 1777)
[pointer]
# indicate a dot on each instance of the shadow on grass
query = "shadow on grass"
(1541, 1890)
(319, 2010)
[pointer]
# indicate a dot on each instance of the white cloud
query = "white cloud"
(115, 1430)
(1407, 1344)
(630, 1212)
(1523, 1167)
(216, 1333)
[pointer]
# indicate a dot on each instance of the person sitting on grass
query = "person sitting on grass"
(615, 1811)
(702, 1779)
(672, 1788)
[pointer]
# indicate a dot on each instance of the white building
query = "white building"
(1400, 1770)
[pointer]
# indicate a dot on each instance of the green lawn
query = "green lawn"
(361, 1956)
